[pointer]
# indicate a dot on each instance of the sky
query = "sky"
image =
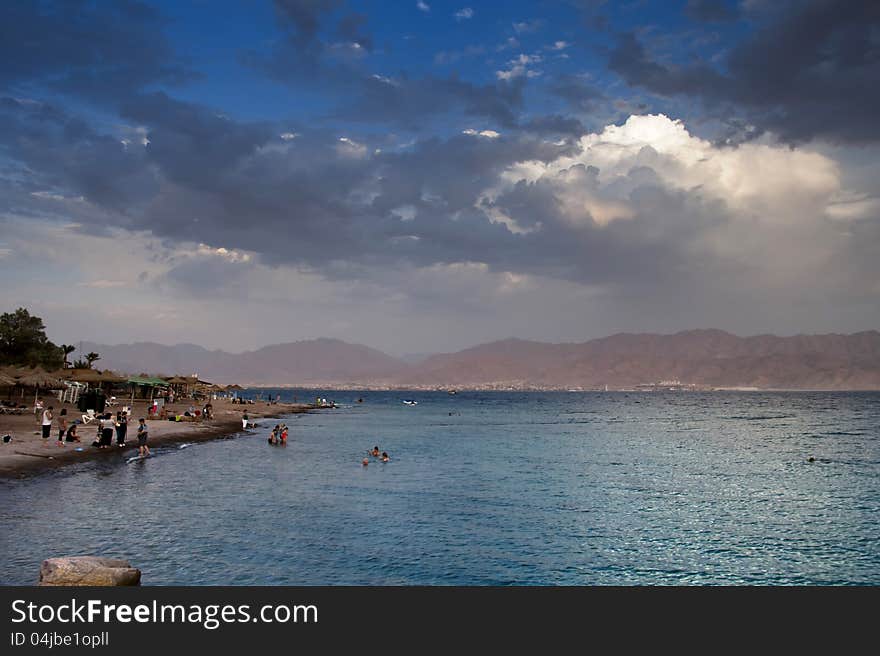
(424, 176)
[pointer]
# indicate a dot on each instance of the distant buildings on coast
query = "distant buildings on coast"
(672, 385)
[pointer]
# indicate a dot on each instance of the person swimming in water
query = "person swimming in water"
(273, 436)
(365, 462)
(375, 452)
(283, 433)
(385, 457)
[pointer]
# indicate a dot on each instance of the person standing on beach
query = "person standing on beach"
(107, 425)
(47, 423)
(62, 426)
(244, 420)
(143, 449)
(38, 408)
(121, 428)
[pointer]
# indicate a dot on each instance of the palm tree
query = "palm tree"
(67, 349)
(91, 358)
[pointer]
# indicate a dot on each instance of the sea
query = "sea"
(485, 489)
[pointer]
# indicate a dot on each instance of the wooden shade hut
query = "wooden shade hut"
(147, 382)
(182, 385)
(93, 378)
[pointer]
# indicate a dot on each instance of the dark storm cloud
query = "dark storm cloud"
(57, 151)
(579, 94)
(555, 125)
(630, 59)
(333, 204)
(313, 200)
(206, 273)
(651, 245)
(450, 174)
(193, 145)
(99, 50)
(807, 72)
(206, 178)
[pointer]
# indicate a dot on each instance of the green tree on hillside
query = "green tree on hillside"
(23, 341)
(91, 358)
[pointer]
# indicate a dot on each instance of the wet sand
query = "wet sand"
(29, 454)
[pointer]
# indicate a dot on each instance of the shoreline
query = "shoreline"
(28, 455)
(350, 387)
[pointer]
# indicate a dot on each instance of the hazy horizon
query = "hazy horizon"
(409, 355)
(423, 177)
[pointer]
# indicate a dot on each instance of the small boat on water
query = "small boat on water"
(410, 402)
(453, 392)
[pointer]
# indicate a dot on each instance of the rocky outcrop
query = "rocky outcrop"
(88, 571)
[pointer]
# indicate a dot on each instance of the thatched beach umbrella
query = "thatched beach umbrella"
(39, 378)
(84, 375)
(108, 376)
(11, 375)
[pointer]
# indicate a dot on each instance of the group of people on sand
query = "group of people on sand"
(107, 424)
(106, 427)
(47, 418)
(375, 453)
(279, 434)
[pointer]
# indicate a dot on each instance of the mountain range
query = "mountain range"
(705, 358)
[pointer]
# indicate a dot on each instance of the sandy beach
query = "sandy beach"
(28, 453)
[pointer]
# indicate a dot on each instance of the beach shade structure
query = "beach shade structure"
(94, 379)
(111, 378)
(234, 389)
(83, 375)
(182, 384)
(143, 380)
(13, 374)
(93, 376)
(9, 381)
(40, 378)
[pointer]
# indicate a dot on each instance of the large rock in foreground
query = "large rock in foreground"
(88, 570)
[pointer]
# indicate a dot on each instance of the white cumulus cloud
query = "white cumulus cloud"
(488, 134)
(519, 67)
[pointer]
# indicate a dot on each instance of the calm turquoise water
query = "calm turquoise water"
(488, 489)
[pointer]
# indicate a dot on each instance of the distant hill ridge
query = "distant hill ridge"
(702, 357)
